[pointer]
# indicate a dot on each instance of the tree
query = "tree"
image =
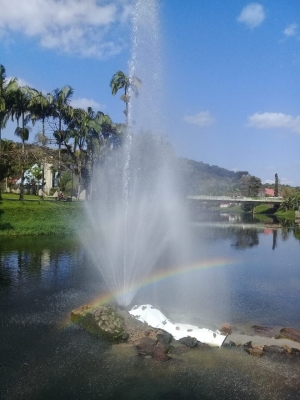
(249, 185)
(20, 109)
(62, 111)
(122, 81)
(40, 109)
(276, 185)
(6, 91)
(9, 160)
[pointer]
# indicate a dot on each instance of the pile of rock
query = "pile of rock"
(117, 325)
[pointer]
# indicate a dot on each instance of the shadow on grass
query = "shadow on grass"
(6, 226)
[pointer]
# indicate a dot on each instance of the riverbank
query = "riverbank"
(34, 216)
(262, 209)
(19, 218)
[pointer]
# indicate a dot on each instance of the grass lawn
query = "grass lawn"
(40, 217)
(14, 196)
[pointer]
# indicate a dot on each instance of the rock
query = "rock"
(256, 351)
(146, 346)
(248, 345)
(274, 349)
(164, 337)
(160, 352)
(225, 329)
(291, 350)
(189, 341)
(80, 313)
(203, 346)
(105, 321)
(229, 344)
(149, 332)
(179, 350)
(289, 333)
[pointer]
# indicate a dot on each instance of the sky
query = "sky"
(231, 71)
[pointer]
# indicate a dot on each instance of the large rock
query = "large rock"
(289, 333)
(105, 321)
(189, 341)
(145, 346)
(163, 337)
(160, 352)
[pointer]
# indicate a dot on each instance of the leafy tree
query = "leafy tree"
(9, 160)
(40, 109)
(129, 84)
(20, 109)
(62, 111)
(276, 185)
(6, 91)
(249, 185)
(34, 176)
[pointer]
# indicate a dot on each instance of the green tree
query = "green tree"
(40, 109)
(276, 185)
(61, 111)
(249, 185)
(128, 83)
(9, 160)
(6, 91)
(20, 109)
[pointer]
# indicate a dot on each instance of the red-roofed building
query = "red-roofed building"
(269, 192)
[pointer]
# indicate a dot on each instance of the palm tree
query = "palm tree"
(128, 83)
(19, 110)
(84, 129)
(40, 108)
(6, 91)
(62, 111)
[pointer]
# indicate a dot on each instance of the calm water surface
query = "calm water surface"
(234, 272)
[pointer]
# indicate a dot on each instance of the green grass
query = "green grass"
(264, 209)
(15, 196)
(40, 218)
(287, 215)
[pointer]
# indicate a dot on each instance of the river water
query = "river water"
(239, 271)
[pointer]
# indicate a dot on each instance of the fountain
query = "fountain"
(139, 213)
(139, 218)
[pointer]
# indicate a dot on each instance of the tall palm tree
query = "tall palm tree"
(40, 108)
(129, 83)
(21, 110)
(84, 129)
(6, 91)
(62, 111)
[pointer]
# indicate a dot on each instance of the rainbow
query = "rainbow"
(158, 276)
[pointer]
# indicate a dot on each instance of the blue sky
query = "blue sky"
(231, 71)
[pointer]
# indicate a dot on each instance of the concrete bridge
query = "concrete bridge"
(237, 199)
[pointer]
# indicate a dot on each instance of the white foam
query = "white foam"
(153, 317)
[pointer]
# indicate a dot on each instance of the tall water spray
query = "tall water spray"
(138, 214)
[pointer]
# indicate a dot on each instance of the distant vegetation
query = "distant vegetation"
(205, 179)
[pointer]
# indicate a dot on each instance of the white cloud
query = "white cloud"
(252, 15)
(203, 118)
(85, 103)
(269, 120)
(291, 30)
(87, 28)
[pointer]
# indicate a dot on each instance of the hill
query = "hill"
(204, 179)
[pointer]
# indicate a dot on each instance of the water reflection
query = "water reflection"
(41, 280)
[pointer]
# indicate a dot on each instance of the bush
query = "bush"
(52, 191)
